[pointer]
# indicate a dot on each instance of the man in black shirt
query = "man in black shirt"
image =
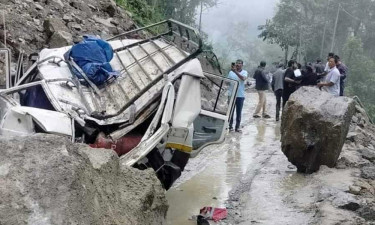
(309, 78)
(319, 67)
(261, 85)
(290, 82)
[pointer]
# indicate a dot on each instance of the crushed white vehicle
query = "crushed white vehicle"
(162, 108)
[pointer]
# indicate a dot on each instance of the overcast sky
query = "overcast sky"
(216, 22)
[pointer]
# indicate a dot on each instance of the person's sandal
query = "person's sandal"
(266, 116)
(256, 116)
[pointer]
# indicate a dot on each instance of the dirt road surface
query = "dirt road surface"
(248, 174)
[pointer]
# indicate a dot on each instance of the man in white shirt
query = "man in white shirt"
(331, 82)
(330, 55)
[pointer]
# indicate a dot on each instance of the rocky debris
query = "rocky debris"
(368, 154)
(60, 39)
(346, 201)
(368, 172)
(45, 179)
(52, 25)
(36, 22)
(357, 155)
(34, 25)
(314, 129)
(367, 212)
(355, 190)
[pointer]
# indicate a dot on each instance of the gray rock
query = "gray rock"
(81, 5)
(78, 19)
(346, 201)
(75, 26)
(110, 8)
(58, 3)
(52, 25)
(60, 39)
(367, 212)
(105, 22)
(39, 7)
(46, 179)
(115, 22)
(368, 154)
(92, 7)
(355, 190)
(351, 160)
(351, 136)
(368, 172)
(67, 18)
(36, 21)
(314, 129)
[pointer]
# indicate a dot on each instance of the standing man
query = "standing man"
(343, 69)
(330, 55)
(331, 82)
(237, 73)
(290, 83)
(277, 87)
(319, 67)
(261, 85)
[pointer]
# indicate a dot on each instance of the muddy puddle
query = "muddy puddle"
(210, 176)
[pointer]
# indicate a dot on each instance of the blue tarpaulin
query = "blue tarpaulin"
(92, 55)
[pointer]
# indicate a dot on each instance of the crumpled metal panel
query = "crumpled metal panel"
(19, 120)
(134, 77)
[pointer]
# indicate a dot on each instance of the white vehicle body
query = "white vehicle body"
(160, 82)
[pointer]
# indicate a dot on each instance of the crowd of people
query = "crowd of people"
(329, 77)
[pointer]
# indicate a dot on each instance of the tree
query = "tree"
(150, 11)
(362, 75)
(309, 25)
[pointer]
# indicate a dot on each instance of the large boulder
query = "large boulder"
(46, 179)
(314, 128)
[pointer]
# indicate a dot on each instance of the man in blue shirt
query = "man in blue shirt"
(237, 73)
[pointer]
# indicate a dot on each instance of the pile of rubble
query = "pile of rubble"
(46, 179)
(359, 154)
(32, 24)
(336, 137)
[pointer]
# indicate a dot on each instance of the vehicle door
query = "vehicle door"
(218, 96)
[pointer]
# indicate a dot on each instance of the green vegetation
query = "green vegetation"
(142, 12)
(150, 11)
(362, 77)
(146, 12)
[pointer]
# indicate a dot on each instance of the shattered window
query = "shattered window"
(216, 93)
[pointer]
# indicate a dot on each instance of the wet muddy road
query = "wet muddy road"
(248, 174)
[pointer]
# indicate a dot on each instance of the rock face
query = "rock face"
(31, 24)
(314, 128)
(46, 179)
